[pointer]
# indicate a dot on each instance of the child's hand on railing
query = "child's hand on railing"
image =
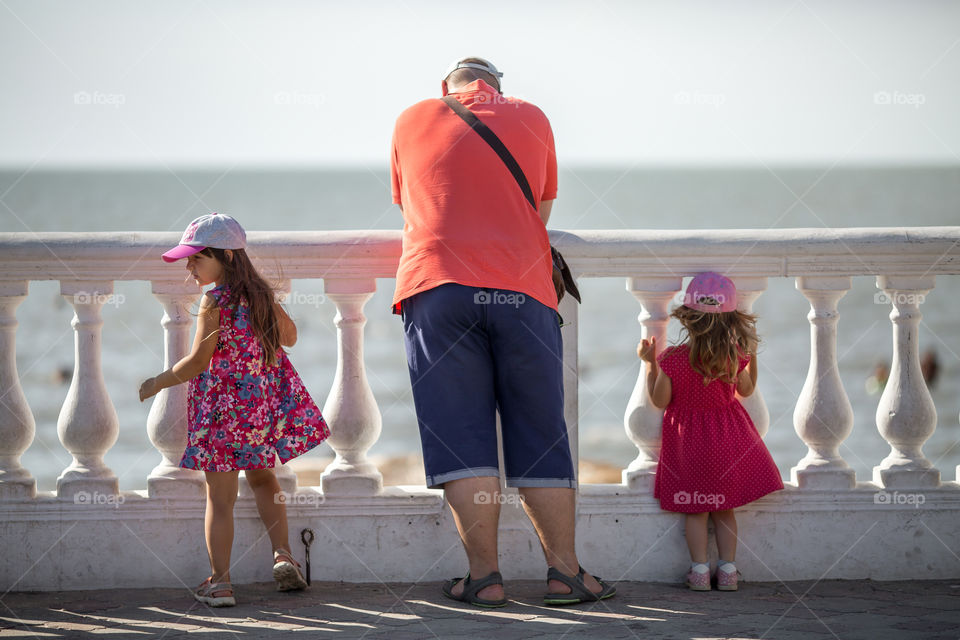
(148, 388)
(647, 350)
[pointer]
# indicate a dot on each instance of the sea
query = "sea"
(590, 197)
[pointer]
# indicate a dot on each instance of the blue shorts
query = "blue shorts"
(472, 352)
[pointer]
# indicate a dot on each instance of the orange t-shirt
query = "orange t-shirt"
(465, 218)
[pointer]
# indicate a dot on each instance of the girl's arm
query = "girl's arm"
(204, 344)
(288, 329)
(659, 386)
(747, 379)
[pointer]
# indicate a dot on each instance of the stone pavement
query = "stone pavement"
(827, 609)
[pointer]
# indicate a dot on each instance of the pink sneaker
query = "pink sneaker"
(698, 581)
(727, 580)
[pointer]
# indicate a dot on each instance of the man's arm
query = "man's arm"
(545, 207)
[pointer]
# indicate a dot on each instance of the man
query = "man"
(481, 327)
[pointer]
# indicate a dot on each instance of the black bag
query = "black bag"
(562, 278)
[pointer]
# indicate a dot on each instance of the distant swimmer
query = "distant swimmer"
(62, 375)
(878, 379)
(930, 367)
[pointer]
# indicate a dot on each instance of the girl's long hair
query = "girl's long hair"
(717, 340)
(245, 283)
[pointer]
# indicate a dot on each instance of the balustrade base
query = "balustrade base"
(408, 534)
(160, 487)
(894, 478)
(350, 483)
(82, 488)
(639, 480)
(17, 488)
(818, 478)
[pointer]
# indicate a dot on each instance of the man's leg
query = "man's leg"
(553, 514)
(476, 511)
(451, 374)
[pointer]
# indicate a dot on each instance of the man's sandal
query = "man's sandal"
(578, 590)
(471, 588)
(215, 594)
(286, 571)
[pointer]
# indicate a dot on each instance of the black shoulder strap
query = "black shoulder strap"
(496, 144)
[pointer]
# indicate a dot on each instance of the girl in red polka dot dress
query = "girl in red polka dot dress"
(712, 459)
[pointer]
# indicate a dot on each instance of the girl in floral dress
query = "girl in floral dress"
(246, 402)
(712, 459)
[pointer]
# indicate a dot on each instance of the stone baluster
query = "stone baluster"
(351, 410)
(16, 420)
(286, 477)
(906, 415)
(823, 417)
(285, 474)
(642, 420)
(570, 310)
(88, 424)
(748, 290)
(167, 422)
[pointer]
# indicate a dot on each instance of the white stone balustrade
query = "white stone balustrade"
(642, 419)
(167, 421)
(906, 416)
(351, 509)
(748, 290)
(823, 417)
(351, 410)
(88, 424)
(16, 420)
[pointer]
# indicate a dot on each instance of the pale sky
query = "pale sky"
(218, 82)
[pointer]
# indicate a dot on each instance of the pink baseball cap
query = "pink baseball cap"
(711, 292)
(212, 230)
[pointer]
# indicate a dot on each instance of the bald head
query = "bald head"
(462, 77)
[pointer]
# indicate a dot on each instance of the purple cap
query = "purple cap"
(711, 292)
(212, 230)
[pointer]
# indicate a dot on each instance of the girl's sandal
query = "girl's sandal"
(286, 571)
(215, 594)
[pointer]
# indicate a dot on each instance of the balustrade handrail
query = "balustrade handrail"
(905, 261)
(592, 253)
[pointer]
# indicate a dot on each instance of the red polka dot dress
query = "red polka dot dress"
(711, 457)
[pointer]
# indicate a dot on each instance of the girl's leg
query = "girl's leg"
(725, 524)
(273, 511)
(218, 522)
(696, 530)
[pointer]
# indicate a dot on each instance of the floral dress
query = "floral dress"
(242, 414)
(711, 456)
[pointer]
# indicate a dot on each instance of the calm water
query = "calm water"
(614, 198)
